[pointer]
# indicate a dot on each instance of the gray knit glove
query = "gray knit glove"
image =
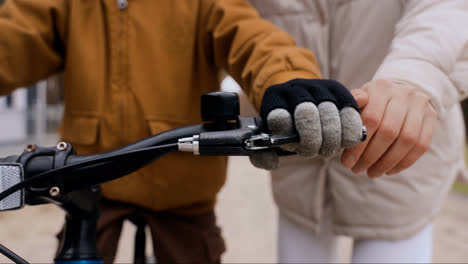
(322, 112)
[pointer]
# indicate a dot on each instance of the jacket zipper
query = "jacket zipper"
(122, 4)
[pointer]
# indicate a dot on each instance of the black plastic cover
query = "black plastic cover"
(220, 106)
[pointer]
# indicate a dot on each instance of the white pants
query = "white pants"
(297, 244)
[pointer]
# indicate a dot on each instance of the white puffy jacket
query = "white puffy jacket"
(356, 41)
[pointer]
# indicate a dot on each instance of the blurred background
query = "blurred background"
(246, 211)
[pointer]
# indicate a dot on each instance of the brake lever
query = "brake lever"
(254, 143)
(243, 138)
(267, 141)
(228, 140)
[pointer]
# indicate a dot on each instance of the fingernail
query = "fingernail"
(357, 170)
(348, 161)
(373, 174)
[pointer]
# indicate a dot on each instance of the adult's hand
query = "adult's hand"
(400, 122)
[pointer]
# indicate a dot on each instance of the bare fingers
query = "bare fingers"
(387, 132)
(407, 139)
(400, 122)
(421, 146)
(371, 115)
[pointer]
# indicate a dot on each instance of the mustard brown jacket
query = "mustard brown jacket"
(138, 67)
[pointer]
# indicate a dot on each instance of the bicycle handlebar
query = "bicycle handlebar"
(57, 173)
(45, 168)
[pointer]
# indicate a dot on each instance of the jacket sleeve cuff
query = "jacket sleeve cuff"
(278, 78)
(425, 76)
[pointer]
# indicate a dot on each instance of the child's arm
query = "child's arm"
(254, 51)
(31, 41)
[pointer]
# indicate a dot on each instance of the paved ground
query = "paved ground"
(246, 214)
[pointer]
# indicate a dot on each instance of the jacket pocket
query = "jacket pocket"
(82, 130)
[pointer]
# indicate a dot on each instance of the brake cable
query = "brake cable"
(11, 255)
(62, 170)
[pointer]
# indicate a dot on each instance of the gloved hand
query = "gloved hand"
(323, 113)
